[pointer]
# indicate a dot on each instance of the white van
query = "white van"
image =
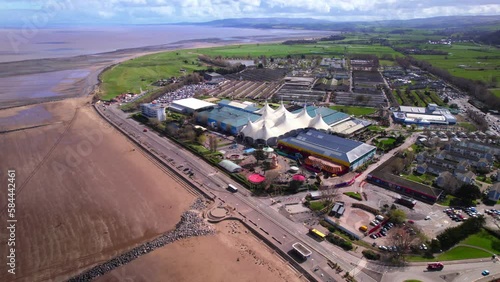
(232, 188)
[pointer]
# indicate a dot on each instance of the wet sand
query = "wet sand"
(232, 255)
(84, 194)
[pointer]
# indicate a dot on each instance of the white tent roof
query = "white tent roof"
(318, 123)
(275, 123)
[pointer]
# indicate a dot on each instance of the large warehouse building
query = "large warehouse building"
(190, 105)
(343, 153)
(432, 114)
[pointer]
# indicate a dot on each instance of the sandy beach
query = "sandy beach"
(85, 193)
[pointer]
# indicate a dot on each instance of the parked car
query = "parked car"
(485, 272)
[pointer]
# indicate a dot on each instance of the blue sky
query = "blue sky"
(82, 12)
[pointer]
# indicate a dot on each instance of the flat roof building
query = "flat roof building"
(432, 114)
(348, 153)
(190, 105)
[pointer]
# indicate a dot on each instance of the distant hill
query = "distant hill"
(315, 24)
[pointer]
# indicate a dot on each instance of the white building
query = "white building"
(156, 111)
(190, 105)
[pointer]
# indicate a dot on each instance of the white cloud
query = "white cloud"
(154, 11)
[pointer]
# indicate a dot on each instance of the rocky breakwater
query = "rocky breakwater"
(190, 225)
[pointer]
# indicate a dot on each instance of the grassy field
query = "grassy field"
(139, 73)
(420, 178)
(462, 252)
(447, 200)
(356, 111)
(317, 205)
(482, 239)
(496, 92)
(466, 60)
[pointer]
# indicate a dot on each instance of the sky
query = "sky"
(41, 13)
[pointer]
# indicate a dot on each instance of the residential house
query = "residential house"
(494, 194)
(448, 182)
(421, 168)
(466, 178)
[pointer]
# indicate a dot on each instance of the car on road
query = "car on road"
(427, 217)
(145, 130)
(485, 272)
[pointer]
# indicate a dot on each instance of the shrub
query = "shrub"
(331, 229)
(354, 195)
(346, 245)
(371, 255)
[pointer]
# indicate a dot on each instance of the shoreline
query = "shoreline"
(96, 64)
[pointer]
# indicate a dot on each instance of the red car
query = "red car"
(145, 130)
(411, 221)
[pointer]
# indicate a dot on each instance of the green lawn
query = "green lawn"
(317, 205)
(484, 240)
(462, 252)
(356, 111)
(420, 178)
(468, 126)
(447, 200)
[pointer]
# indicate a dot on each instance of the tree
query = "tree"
(468, 192)
(330, 194)
(212, 143)
(402, 240)
(397, 216)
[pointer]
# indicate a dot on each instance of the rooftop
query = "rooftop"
(330, 145)
(193, 103)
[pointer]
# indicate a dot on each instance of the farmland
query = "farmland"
(140, 73)
(356, 111)
(417, 98)
(475, 62)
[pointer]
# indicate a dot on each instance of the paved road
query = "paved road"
(466, 272)
(279, 229)
(259, 214)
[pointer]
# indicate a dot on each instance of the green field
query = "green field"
(471, 61)
(139, 73)
(355, 111)
(132, 75)
(482, 239)
(462, 252)
(496, 92)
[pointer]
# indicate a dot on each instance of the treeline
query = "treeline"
(217, 61)
(332, 38)
(476, 89)
(452, 236)
(418, 51)
(299, 41)
(479, 119)
(492, 38)
(223, 71)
